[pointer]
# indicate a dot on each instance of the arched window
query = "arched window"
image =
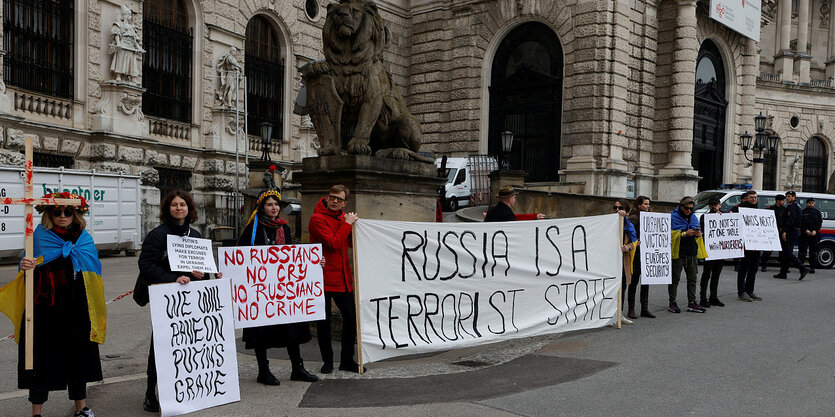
(709, 117)
(38, 40)
(814, 166)
(264, 71)
(770, 171)
(526, 99)
(166, 68)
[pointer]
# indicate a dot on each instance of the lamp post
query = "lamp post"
(763, 142)
(266, 135)
(507, 145)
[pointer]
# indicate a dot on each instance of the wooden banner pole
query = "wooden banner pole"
(357, 299)
(620, 291)
(29, 251)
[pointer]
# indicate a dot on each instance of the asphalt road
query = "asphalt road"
(768, 358)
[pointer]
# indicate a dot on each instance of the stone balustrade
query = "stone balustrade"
(42, 105)
(169, 128)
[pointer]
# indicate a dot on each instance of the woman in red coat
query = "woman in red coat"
(331, 227)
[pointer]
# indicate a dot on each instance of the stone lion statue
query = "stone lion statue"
(352, 85)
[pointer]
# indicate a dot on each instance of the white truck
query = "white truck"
(114, 219)
(467, 180)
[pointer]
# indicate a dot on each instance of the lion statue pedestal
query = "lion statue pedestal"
(381, 188)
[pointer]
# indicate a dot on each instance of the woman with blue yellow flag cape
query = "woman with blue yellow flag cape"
(69, 308)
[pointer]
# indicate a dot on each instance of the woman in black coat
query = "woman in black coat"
(266, 227)
(177, 212)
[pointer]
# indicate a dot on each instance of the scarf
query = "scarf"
(276, 224)
(177, 229)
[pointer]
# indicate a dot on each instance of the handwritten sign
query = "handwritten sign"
(190, 254)
(274, 284)
(427, 287)
(759, 229)
(194, 344)
(723, 236)
(656, 248)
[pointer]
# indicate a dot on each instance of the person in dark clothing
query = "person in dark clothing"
(642, 203)
(266, 227)
(332, 227)
(711, 269)
(747, 274)
(177, 212)
(503, 210)
(779, 208)
(67, 291)
(811, 221)
(788, 238)
(685, 229)
(629, 243)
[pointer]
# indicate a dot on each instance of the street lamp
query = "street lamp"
(764, 142)
(266, 135)
(507, 145)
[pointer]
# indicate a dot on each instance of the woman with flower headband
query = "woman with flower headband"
(69, 309)
(177, 212)
(266, 227)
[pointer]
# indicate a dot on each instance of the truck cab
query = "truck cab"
(467, 180)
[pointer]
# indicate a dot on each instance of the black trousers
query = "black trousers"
(787, 257)
(345, 303)
(633, 286)
(809, 243)
(151, 371)
(293, 352)
(76, 391)
(747, 272)
(710, 276)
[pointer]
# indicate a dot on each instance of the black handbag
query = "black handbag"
(140, 291)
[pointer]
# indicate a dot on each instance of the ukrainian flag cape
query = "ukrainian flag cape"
(49, 247)
(678, 227)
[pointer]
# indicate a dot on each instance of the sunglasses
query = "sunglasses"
(687, 208)
(617, 208)
(67, 212)
(336, 198)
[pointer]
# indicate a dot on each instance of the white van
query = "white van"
(467, 180)
(823, 202)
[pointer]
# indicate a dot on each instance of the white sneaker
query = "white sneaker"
(625, 320)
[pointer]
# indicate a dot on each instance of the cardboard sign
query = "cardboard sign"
(723, 236)
(194, 345)
(759, 228)
(656, 248)
(427, 287)
(190, 254)
(274, 284)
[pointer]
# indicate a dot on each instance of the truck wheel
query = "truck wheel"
(452, 204)
(826, 255)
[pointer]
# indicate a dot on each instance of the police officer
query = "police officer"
(788, 238)
(810, 233)
(779, 208)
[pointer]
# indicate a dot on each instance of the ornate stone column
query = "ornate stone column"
(678, 177)
(803, 56)
(784, 59)
(830, 56)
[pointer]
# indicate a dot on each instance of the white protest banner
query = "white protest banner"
(194, 345)
(426, 287)
(190, 254)
(274, 284)
(723, 236)
(656, 248)
(742, 16)
(759, 229)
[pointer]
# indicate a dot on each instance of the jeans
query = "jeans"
(690, 268)
(710, 275)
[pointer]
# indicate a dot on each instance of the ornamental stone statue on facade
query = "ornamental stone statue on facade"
(126, 48)
(227, 69)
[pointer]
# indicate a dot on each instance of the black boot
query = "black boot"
(264, 375)
(300, 374)
(150, 404)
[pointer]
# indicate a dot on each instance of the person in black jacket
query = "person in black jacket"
(503, 210)
(779, 209)
(747, 274)
(266, 227)
(711, 269)
(811, 221)
(177, 212)
(788, 238)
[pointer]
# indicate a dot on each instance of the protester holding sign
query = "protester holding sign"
(747, 274)
(69, 309)
(687, 246)
(177, 212)
(332, 227)
(779, 209)
(642, 203)
(711, 269)
(503, 210)
(627, 247)
(266, 227)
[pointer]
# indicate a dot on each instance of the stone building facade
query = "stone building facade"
(600, 94)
